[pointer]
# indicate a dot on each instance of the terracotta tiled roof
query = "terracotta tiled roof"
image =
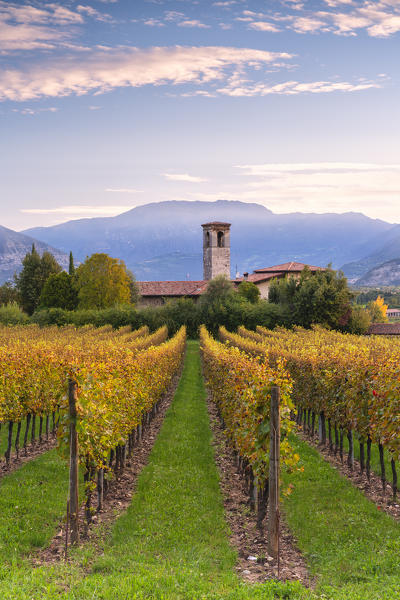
(289, 267)
(172, 288)
(257, 277)
(384, 329)
(216, 224)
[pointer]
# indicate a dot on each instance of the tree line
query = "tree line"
(99, 282)
(102, 290)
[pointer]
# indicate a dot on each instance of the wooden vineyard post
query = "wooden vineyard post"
(274, 460)
(73, 464)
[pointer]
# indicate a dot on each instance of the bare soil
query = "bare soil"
(254, 564)
(372, 489)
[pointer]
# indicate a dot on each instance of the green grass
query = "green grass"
(353, 548)
(32, 500)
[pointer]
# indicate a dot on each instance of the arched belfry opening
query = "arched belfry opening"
(216, 250)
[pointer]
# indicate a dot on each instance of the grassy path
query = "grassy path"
(32, 500)
(352, 548)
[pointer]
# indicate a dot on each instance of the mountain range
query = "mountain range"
(386, 274)
(163, 241)
(13, 248)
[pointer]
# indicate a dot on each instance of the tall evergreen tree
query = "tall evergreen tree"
(71, 268)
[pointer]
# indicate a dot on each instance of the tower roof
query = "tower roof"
(219, 224)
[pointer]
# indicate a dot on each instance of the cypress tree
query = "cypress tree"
(71, 268)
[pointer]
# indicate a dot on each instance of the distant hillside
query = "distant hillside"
(386, 274)
(13, 248)
(164, 240)
(383, 249)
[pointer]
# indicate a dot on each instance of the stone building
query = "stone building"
(262, 277)
(216, 261)
(216, 250)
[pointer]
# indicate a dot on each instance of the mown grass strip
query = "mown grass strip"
(32, 500)
(353, 548)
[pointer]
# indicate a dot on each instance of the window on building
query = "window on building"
(208, 239)
(220, 239)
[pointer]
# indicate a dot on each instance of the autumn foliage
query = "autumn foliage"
(241, 387)
(120, 375)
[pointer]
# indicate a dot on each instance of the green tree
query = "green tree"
(8, 294)
(316, 297)
(360, 320)
(249, 291)
(134, 288)
(102, 282)
(71, 266)
(30, 281)
(218, 290)
(48, 266)
(282, 291)
(59, 291)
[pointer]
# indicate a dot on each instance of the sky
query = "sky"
(110, 104)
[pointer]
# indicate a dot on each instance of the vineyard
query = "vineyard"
(351, 385)
(95, 394)
(115, 379)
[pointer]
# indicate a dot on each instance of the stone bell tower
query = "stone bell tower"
(216, 250)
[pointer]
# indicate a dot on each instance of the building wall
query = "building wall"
(263, 286)
(216, 260)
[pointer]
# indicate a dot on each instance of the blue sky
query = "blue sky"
(106, 105)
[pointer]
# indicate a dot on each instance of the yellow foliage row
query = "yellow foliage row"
(115, 394)
(240, 385)
(353, 380)
(109, 365)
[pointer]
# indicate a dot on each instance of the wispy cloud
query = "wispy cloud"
(124, 190)
(79, 210)
(103, 70)
(243, 88)
(94, 13)
(261, 170)
(225, 3)
(34, 111)
(264, 26)
(319, 187)
(372, 188)
(193, 23)
(184, 177)
(154, 23)
(28, 27)
(341, 17)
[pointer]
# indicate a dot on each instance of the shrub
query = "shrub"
(12, 314)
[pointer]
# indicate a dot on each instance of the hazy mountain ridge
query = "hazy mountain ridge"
(387, 250)
(385, 274)
(13, 248)
(164, 240)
